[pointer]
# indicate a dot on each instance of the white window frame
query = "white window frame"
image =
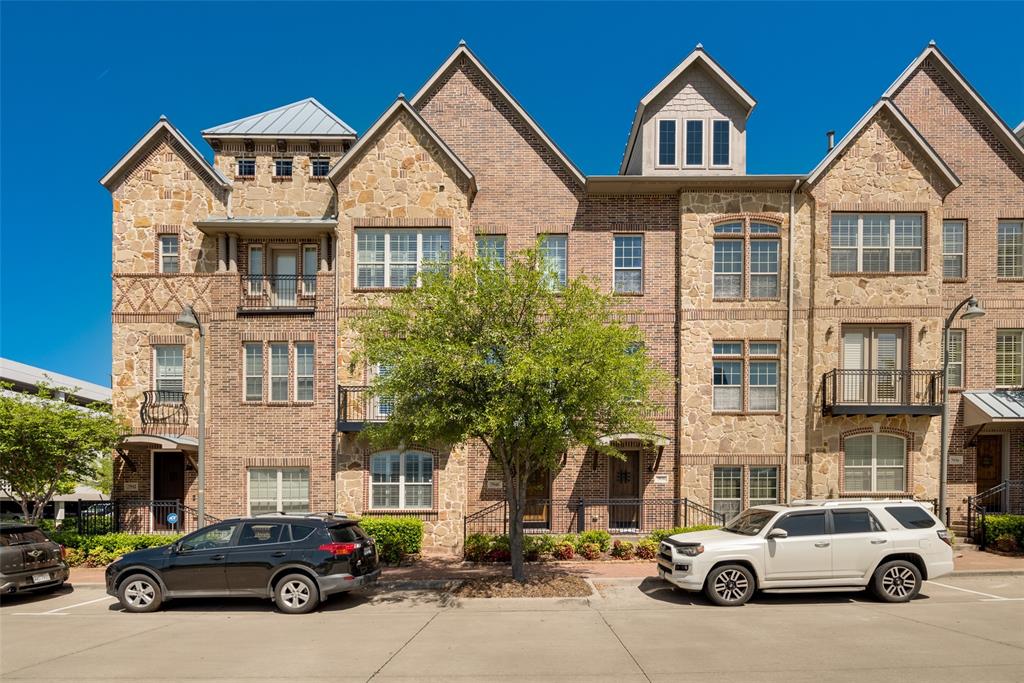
(309, 278)
(774, 275)
(158, 377)
(631, 269)
(750, 384)
(892, 248)
(874, 463)
(1016, 261)
(563, 275)
(487, 242)
(387, 253)
(962, 254)
(703, 144)
(716, 499)
(657, 143)
(176, 254)
(1017, 382)
(256, 285)
(252, 373)
(402, 484)
(728, 238)
(752, 502)
(728, 140)
(957, 361)
(717, 357)
(312, 372)
(280, 486)
(278, 376)
(381, 407)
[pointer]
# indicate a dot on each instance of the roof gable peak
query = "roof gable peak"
(163, 126)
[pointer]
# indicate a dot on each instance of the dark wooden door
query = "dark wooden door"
(168, 484)
(989, 453)
(623, 490)
(538, 500)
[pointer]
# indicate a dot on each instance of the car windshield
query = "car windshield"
(749, 522)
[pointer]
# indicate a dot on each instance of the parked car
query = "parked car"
(297, 560)
(99, 509)
(888, 547)
(29, 559)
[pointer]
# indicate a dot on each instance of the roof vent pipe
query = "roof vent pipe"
(831, 135)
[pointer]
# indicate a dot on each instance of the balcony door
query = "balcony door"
(873, 361)
(285, 277)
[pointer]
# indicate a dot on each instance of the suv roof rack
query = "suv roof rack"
(838, 502)
(322, 515)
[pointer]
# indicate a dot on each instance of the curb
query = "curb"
(987, 572)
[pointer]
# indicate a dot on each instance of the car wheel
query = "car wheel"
(140, 593)
(896, 581)
(730, 585)
(296, 594)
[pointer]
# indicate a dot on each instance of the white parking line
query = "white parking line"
(989, 596)
(59, 612)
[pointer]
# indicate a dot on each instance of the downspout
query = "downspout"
(789, 340)
(332, 246)
(679, 353)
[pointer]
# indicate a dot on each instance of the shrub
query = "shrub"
(500, 550)
(599, 537)
(102, 549)
(623, 550)
(544, 543)
(1006, 543)
(646, 549)
(658, 535)
(590, 551)
(477, 546)
(1004, 525)
(564, 550)
(396, 537)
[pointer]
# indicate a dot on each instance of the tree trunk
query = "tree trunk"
(515, 532)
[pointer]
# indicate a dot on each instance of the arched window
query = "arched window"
(401, 480)
(875, 462)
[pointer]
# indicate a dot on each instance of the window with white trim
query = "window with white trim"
(392, 258)
(764, 385)
(746, 241)
(877, 243)
(728, 269)
(319, 166)
(284, 489)
(169, 371)
(382, 406)
(953, 252)
(956, 359)
(255, 269)
(304, 362)
(246, 167)
(554, 255)
(874, 463)
(491, 247)
(727, 380)
(694, 142)
(721, 130)
(279, 371)
(309, 268)
(253, 371)
(629, 264)
(764, 486)
(1010, 359)
(170, 247)
(667, 142)
(727, 494)
(1010, 249)
(402, 480)
(283, 168)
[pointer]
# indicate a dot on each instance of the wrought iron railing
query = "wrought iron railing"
(1004, 498)
(573, 515)
(862, 389)
(356, 407)
(263, 292)
(139, 516)
(162, 407)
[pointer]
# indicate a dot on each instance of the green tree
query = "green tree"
(48, 445)
(501, 356)
(103, 480)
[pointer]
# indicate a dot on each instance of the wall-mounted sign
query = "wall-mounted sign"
(956, 460)
(131, 486)
(494, 485)
(660, 478)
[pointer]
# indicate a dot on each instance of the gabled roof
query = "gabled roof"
(908, 128)
(1019, 131)
(463, 51)
(163, 127)
(380, 125)
(996, 124)
(697, 56)
(304, 119)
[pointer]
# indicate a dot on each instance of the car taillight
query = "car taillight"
(338, 549)
(63, 555)
(944, 535)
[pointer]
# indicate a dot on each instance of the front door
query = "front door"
(168, 486)
(284, 280)
(538, 500)
(874, 355)
(624, 492)
(989, 454)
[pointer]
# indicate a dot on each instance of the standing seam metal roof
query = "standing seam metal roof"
(999, 405)
(306, 117)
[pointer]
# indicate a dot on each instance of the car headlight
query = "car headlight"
(690, 550)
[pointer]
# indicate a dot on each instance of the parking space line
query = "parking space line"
(58, 612)
(991, 598)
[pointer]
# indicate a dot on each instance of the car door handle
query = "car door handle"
(216, 557)
(822, 544)
(878, 541)
(279, 553)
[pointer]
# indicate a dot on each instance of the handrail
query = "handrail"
(163, 407)
(900, 387)
(1009, 491)
(278, 291)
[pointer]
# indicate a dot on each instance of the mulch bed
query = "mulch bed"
(559, 586)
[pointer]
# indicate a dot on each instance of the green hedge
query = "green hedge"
(396, 537)
(658, 535)
(1004, 525)
(99, 550)
(589, 545)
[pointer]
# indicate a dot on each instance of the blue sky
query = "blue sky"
(80, 82)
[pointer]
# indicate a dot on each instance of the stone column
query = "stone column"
(222, 252)
(325, 241)
(233, 253)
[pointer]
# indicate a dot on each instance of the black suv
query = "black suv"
(296, 559)
(29, 560)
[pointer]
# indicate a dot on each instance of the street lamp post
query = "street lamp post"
(974, 310)
(189, 320)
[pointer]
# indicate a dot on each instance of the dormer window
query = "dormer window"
(320, 166)
(695, 142)
(246, 168)
(720, 134)
(667, 142)
(282, 168)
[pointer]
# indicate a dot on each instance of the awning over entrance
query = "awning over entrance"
(655, 439)
(993, 407)
(168, 442)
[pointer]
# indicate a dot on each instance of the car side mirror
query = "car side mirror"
(778, 533)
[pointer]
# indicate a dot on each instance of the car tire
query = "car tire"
(896, 581)
(296, 594)
(140, 593)
(730, 585)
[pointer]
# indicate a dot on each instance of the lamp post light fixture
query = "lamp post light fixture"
(973, 310)
(189, 320)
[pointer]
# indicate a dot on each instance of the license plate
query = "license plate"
(368, 550)
(40, 578)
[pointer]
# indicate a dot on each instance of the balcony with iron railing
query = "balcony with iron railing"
(267, 294)
(882, 392)
(356, 408)
(164, 408)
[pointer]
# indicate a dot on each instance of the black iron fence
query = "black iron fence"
(574, 515)
(882, 388)
(356, 407)
(1004, 498)
(162, 407)
(138, 516)
(278, 291)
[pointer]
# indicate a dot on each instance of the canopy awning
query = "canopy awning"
(165, 441)
(656, 439)
(993, 407)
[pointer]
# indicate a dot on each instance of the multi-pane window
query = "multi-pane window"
(956, 358)
(402, 480)
(283, 489)
(283, 168)
(320, 166)
(629, 264)
(169, 371)
(392, 258)
(309, 268)
(1010, 358)
(762, 370)
(953, 249)
(695, 143)
(666, 142)
(554, 254)
(304, 371)
(255, 269)
(764, 385)
(764, 486)
(874, 462)
(727, 381)
(1010, 249)
(728, 269)
(733, 242)
(491, 247)
(728, 491)
(246, 167)
(254, 371)
(279, 372)
(877, 243)
(764, 269)
(383, 406)
(720, 131)
(169, 254)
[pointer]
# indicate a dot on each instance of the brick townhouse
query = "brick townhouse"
(800, 315)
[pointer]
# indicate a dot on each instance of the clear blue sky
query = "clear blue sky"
(79, 83)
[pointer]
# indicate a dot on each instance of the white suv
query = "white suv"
(886, 546)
